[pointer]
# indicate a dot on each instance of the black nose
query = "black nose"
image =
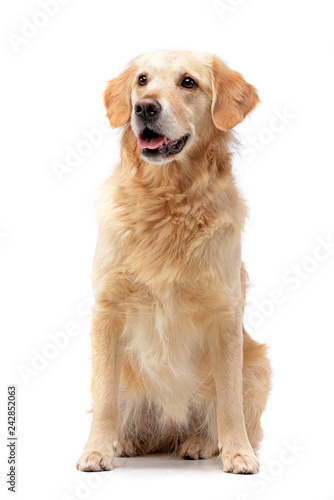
(147, 107)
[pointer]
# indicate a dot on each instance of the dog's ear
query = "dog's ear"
(233, 98)
(117, 99)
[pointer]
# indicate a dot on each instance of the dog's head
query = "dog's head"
(174, 98)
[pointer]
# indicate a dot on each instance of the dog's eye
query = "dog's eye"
(142, 80)
(188, 83)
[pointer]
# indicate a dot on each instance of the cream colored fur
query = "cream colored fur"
(172, 367)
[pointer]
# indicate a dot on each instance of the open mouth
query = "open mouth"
(153, 144)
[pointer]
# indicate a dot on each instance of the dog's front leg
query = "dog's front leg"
(226, 347)
(107, 359)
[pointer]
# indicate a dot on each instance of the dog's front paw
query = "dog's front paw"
(95, 461)
(240, 462)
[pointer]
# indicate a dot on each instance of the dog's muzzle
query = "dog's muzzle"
(153, 143)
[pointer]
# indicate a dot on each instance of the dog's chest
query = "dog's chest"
(163, 235)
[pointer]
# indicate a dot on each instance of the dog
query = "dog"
(173, 369)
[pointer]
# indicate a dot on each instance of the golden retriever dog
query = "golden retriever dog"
(173, 369)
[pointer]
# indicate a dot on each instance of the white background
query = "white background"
(51, 93)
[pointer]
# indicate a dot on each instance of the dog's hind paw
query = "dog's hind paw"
(129, 447)
(196, 447)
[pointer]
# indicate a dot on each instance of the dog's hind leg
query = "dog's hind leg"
(256, 387)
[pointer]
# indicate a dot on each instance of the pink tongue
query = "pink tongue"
(153, 143)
